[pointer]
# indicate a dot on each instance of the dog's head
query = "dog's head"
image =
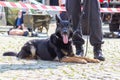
(64, 29)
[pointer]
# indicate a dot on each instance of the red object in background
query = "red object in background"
(101, 1)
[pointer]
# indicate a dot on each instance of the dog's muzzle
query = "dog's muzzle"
(65, 31)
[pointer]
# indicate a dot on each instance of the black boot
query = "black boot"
(98, 53)
(79, 51)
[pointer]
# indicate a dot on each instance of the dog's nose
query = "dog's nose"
(65, 30)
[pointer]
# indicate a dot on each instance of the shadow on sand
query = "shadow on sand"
(39, 64)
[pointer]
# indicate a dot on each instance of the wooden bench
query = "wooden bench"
(37, 22)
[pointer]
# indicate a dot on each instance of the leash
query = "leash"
(86, 49)
(88, 29)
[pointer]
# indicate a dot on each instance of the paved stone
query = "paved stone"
(12, 68)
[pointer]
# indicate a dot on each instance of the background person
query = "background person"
(19, 21)
(23, 11)
(20, 29)
(63, 14)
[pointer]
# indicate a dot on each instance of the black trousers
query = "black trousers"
(90, 14)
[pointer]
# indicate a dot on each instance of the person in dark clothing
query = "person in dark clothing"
(19, 28)
(91, 11)
(63, 14)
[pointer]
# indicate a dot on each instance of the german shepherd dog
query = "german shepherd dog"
(58, 46)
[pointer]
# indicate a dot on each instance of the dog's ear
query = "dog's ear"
(57, 19)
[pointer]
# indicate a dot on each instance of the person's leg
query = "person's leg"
(95, 28)
(16, 32)
(63, 15)
(18, 23)
(74, 11)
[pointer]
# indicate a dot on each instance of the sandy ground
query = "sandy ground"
(12, 68)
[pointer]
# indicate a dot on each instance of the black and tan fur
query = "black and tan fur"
(58, 45)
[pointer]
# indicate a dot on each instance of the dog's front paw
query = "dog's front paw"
(96, 61)
(82, 61)
(93, 60)
(73, 60)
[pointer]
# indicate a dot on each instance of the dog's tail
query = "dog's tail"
(9, 54)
